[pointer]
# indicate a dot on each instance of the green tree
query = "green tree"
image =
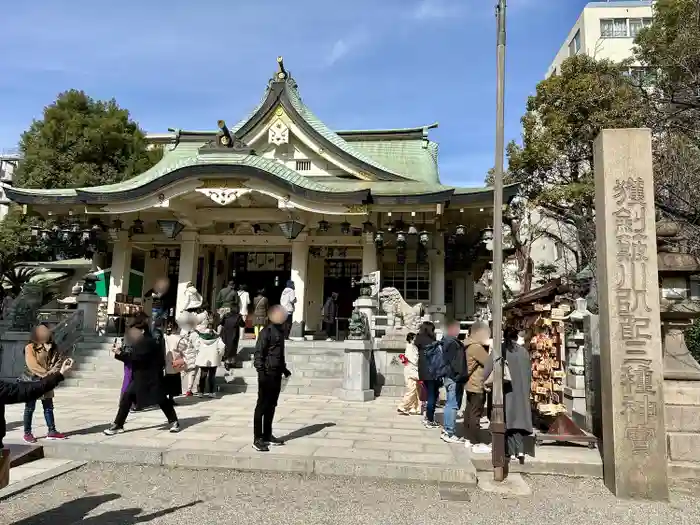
(554, 164)
(82, 142)
(17, 245)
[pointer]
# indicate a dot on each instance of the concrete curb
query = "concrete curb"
(462, 474)
(533, 466)
(25, 484)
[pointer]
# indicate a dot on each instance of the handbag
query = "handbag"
(488, 383)
(179, 364)
(422, 391)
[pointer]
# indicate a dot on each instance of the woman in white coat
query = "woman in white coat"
(210, 350)
(410, 404)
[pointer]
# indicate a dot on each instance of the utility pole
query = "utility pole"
(498, 425)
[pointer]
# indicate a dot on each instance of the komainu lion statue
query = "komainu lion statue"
(394, 305)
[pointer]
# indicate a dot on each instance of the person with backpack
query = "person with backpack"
(429, 365)
(455, 378)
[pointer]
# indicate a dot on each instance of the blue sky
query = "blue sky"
(360, 64)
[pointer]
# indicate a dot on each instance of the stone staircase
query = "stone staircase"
(316, 366)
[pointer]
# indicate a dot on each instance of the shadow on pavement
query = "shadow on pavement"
(306, 431)
(76, 511)
(185, 422)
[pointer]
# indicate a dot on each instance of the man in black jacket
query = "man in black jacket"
(20, 392)
(456, 360)
(270, 363)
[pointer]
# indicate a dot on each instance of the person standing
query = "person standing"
(330, 315)
(174, 364)
(159, 312)
(455, 378)
(425, 338)
(244, 301)
(228, 300)
(271, 365)
(288, 302)
(210, 349)
(146, 388)
(41, 356)
(477, 355)
(230, 332)
(516, 397)
(260, 307)
(410, 404)
(23, 392)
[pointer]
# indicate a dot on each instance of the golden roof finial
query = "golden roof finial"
(282, 74)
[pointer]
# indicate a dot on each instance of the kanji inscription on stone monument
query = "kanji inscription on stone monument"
(634, 436)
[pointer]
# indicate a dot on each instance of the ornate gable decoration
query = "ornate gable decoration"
(278, 134)
(223, 196)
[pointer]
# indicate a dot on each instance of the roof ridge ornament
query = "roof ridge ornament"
(282, 75)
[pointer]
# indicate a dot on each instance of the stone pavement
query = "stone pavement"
(325, 436)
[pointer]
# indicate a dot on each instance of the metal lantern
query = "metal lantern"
(170, 228)
(461, 230)
(153, 253)
(412, 230)
(424, 238)
(379, 238)
(487, 234)
(137, 228)
(367, 227)
(323, 225)
(401, 239)
(345, 227)
(117, 225)
(291, 229)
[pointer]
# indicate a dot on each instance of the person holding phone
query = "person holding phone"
(147, 362)
(22, 392)
(41, 356)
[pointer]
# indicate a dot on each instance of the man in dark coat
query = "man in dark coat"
(271, 365)
(228, 300)
(330, 314)
(20, 392)
(455, 358)
(231, 324)
(147, 387)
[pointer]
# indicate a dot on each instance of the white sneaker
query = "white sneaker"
(451, 439)
(481, 448)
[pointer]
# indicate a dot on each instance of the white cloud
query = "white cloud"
(346, 46)
(435, 9)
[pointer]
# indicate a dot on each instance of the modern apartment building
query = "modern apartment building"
(8, 164)
(605, 30)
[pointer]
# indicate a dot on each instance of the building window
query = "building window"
(303, 165)
(637, 24)
(411, 280)
(614, 28)
(575, 44)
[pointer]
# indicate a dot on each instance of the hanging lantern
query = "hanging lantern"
(461, 230)
(170, 228)
(323, 225)
(412, 230)
(424, 238)
(137, 228)
(86, 236)
(379, 238)
(345, 227)
(367, 227)
(153, 253)
(291, 229)
(401, 239)
(117, 225)
(487, 234)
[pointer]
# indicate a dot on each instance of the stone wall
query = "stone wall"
(12, 354)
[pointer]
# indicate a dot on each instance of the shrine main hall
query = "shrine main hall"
(280, 196)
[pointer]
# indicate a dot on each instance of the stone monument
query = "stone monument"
(634, 433)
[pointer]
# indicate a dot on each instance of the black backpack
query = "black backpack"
(435, 359)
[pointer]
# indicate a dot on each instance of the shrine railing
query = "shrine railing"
(69, 332)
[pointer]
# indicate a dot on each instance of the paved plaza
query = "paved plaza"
(106, 494)
(324, 436)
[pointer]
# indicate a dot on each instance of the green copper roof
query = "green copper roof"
(416, 159)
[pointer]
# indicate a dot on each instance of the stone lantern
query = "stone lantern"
(678, 308)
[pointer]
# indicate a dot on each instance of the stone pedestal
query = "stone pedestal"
(634, 433)
(356, 372)
(89, 304)
(368, 307)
